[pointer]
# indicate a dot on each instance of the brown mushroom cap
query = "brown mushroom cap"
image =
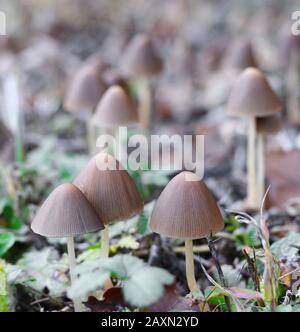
(115, 109)
(269, 124)
(86, 88)
(186, 209)
(240, 55)
(66, 212)
(140, 59)
(109, 189)
(253, 96)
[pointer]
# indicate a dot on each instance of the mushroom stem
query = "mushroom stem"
(144, 103)
(105, 242)
(72, 263)
(190, 272)
(223, 281)
(105, 252)
(251, 164)
(190, 268)
(260, 167)
(292, 83)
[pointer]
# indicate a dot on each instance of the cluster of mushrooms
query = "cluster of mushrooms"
(186, 209)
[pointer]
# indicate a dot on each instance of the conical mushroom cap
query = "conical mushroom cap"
(109, 189)
(86, 88)
(269, 124)
(240, 56)
(252, 95)
(140, 58)
(115, 109)
(186, 209)
(66, 212)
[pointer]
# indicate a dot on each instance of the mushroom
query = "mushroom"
(140, 62)
(67, 213)
(86, 88)
(85, 92)
(111, 192)
(240, 56)
(265, 126)
(252, 97)
(187, 210)
(114, 109)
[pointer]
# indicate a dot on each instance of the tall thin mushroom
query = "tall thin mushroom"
(111, 191)
(187, 210)
(67, 213)
(290, 53)
(252, 97)
(140, 62)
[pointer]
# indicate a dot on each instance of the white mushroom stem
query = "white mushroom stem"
(251, 164)
(105, 252)
(190, 272)
(144, 103)
(105, 242)
(260, 167)
(189, 264)
(78, 307)
(292, 86)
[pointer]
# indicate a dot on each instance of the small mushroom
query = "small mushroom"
(111, 192)
(187, 210)
(86, 88)
(252, 97)
(265, 126)
(240, 56)
(140, 62)
(67, 213)
(114, 109)
(85, 92)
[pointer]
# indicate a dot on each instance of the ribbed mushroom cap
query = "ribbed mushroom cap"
(86, 88)
(109, 189)
(240, 56)
(66, 212)
(253, 96)
(115, 109)
(140, 59)
(186, 209)
(269, 124)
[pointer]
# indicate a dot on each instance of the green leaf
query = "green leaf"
(143, 224)
(284, 308)
(143, 285)
(4, 301)
(7, 240)
(146, 286)
(40, 269)
(286, 246)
